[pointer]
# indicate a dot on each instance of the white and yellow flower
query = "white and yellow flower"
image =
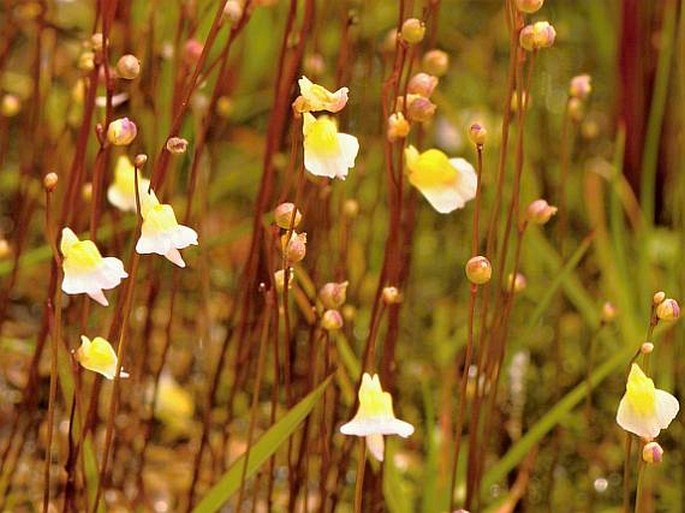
(375, 417)
(85, 270)
(161, 233)
(645, 410)
(326, 151)
(446, 183)
(97, 355)
(122, 192)
(314, 97)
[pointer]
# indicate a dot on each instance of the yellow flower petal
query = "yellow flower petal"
(98, 356)
(315, 97)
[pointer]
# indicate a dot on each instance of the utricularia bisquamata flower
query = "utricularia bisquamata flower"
(97, 355)
(645, 410)
(326, 151)
(85, 270)
(122, 192)
(375, 417)
(161, 233)
(446, 183)
(314, 97)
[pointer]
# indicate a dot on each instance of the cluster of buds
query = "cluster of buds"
(579, 89)
(537, 35)
(294, 247)
(666, 308)
(333, 296)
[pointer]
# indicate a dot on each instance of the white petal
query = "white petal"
(99, 296)
(640, 425)
(366, 427)
(174, 256)
(320, 165)
(159, 243)
(376, 446)
(349, 146)
(468, 180)
(120, 200)
(182, 237)
(443, 199)
(75, 283)
(666, 408)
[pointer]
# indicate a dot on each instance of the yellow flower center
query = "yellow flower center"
(160, 218)
(373, 402)
(322, 136)
(640, 392)
(82, 255)
(431, 168)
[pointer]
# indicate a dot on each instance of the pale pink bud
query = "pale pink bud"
(50, 181)
(609, 312)
(331, 320)
(296, 248)
(519, 282)
(128, 67)
(658, 297)
(580, 87)
(121, 132)
(536, 36)
(192, 51)
(478, 270)
(177, 145)
(333, 295)
(646, 348)
(539, 212)
(391, 295)
(529, 6)
(283, 215)
(668, 310)
(233, 11)
(652, 453)
(423, 84)
(477, 134)
(436, 62)
(10, 106)
(421, 109)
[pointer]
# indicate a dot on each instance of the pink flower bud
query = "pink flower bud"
(192, 52)
(296, 248)
(668, 310)
(519, 280)
(539, 212)
(128, 67)
(652, 453)
(580, 87)
(436, 62)
(331, 320)
(121, 132)
(477, 134)
(421, 109)
(283, 215)
(177, 145)
(333, 295)
(391, 295)
(536, 36)
(609, 312)
(529, 6)
(423, 84)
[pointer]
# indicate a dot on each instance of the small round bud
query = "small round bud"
(11, 105)
(192, 52)
(658, 297)
(576, 110)
(333, 295)
(97, 41)
(351, 208)
(391, 295)
(539, 212)
(413, 31)
(646, 348)
(477, 134)
(121, 132)
(283, 215)
(331, 320)
(423, 84)
(609, 312)
(580, 86)
(128, 67)
(295, 249)
(4, 248)
(177, 145)
(233, 11)
(668, 310)
(519, 282)
(478, 270)
(50, 181)
(652, 453)
(529, 6)
(398, 127)
(140, 160)
(421, 109)
(436, 62)
(314, 64)
(279, 279)
(86, 61)
(536, 36)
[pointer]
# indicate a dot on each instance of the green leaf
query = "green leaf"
(260, 452)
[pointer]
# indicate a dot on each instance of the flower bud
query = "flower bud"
(520, 282)
(279, 279)
(97, 41)
(529, 6)
(421, 109)
(658, 297)
(580, 87)
(333, 295)
(295, 249)
(423, 84)
(576, 110)
(609, 312)
(536, 36)
(192, 52)
(478, 270)
(233, 11)
(436, 62)
(11, 105)
(413, 31)
(4, 248)
(646, 348)
(652, 453)
(391, 295)
(351, 208)
(314, 65)
(50, 181)
(128, 67)
(283, 215)
(331, 320)
(121, 132)
(477, 134)
(140, 160)
(177, 145)
(539, 212)
(668, 310)
(86, 61)
(398, 127)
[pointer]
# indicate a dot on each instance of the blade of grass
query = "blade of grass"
(261, 451)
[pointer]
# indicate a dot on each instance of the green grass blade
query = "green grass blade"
(260, 452)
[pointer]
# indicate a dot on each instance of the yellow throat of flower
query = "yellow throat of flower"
(321, 134)
(640, 391)
(429, 169)
(160, 218)
(373, 402)
(82, 255)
